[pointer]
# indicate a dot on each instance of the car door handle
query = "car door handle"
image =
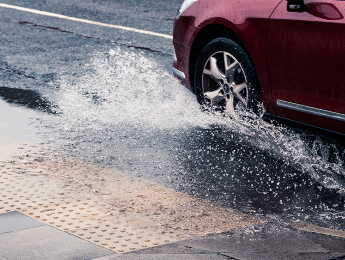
(294, 7)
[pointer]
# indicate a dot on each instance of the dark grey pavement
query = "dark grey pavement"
(22, 237)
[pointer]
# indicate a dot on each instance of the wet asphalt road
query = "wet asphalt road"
(108, 96)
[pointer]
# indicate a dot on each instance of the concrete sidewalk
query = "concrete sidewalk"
(22, 237)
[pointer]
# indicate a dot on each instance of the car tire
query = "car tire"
(225, 78)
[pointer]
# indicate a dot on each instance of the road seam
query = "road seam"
(29, 10)
(92, 37)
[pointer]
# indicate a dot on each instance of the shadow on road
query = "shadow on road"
(28, 98)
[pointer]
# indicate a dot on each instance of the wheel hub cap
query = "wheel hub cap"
(227, 89)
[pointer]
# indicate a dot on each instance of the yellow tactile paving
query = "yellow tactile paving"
(70, 214)
(107, 207)
(316, 229)
(89, 219)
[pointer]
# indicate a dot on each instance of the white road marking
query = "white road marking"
(84, 20)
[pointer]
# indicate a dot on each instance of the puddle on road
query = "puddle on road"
(28, 98)
(16, 127)
(125, 110)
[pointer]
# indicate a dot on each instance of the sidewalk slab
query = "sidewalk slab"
(335, 245)
(263, 239)
(45, 242)
(270, 241)
(172, 257)
(284, 256)
(15, 220)
(263, 242)
(169, 249)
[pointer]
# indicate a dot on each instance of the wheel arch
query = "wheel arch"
(206, 35)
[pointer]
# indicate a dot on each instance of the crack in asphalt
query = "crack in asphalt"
(93, 37)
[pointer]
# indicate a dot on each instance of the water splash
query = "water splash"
(129, 88)
(125, 87)
(322, 160)
(125, 109)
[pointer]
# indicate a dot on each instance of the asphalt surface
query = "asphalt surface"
(108, 96)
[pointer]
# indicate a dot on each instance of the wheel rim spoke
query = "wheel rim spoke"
(214, 72)
(230, 105)
(231, 69)
(215, 96)
(237, 89)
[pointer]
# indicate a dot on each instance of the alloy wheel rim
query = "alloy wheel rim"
(224, 83)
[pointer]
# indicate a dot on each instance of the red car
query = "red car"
(288, 55)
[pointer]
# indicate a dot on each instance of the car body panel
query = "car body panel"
(306, 53)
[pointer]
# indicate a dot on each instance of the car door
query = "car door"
(306, 61)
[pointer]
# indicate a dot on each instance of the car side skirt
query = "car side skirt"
(311, 110)
(315, 130)
(178, 73)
